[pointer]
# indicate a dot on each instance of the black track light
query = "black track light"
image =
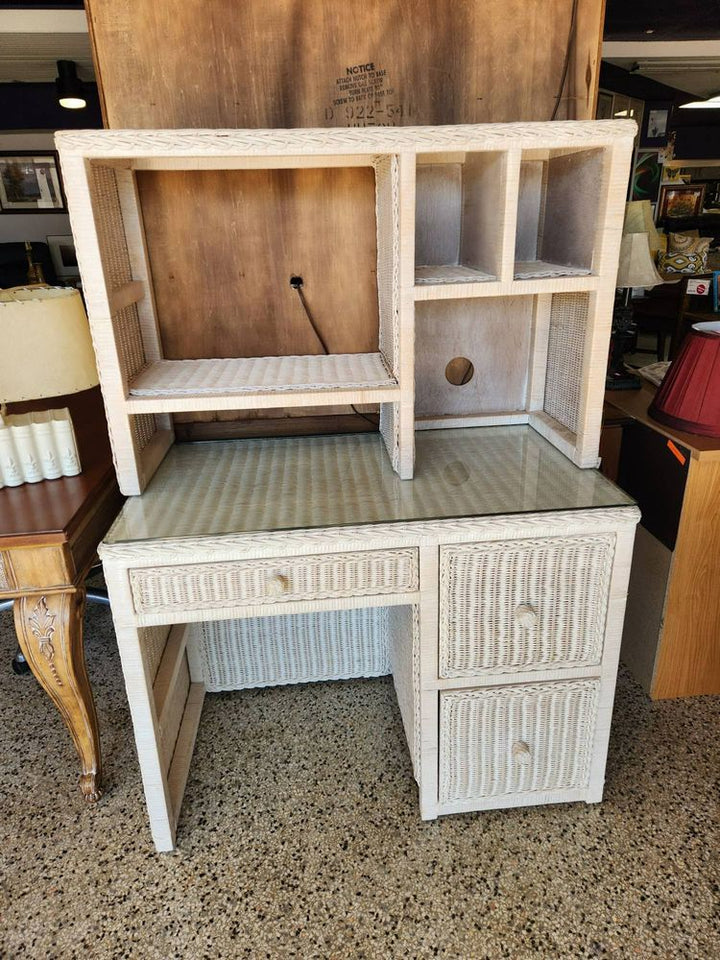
(69, 87)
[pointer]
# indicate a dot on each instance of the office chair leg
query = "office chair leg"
(97, 595)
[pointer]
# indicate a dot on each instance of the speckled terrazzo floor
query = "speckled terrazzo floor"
(300, 837)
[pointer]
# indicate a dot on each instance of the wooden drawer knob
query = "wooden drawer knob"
(521, 752)
(277, 585)
(526, 615)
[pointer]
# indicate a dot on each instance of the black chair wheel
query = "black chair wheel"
(20, 667)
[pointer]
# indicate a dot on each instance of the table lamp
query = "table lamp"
(46, 351)
(639, 219)
(689, 396)
(635, 269)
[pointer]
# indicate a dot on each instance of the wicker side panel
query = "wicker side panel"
(566, 346)
(215, 585)
(144, 428)
(131, 357)
(109, 225)
(152, 642)
(174, 714)
(295, 648)
(118, 271)
(524, 604)
(387, 212)
(128, 340)
(405, 666)
(516, 740)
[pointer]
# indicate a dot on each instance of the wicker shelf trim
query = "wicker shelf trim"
(220, 143)
(207, 586)
(451, 274)
(518, 740)
(380, 534)
(262, 375)
(540, 270)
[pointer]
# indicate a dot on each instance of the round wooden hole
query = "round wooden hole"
(459, 371)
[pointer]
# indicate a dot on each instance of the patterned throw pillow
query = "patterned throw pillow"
(686, 243)
(682, 262)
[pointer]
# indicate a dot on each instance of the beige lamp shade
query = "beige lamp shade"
(45, 345)
(636, 268)
(639, 219)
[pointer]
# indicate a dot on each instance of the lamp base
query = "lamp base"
(37, 446)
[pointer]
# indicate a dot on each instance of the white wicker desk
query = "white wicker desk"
(492, 587)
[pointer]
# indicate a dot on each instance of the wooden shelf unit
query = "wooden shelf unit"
(470, 220)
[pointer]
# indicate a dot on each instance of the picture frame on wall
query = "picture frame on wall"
(30, 182)
(683, 200)
(64, 258)
(656, 118)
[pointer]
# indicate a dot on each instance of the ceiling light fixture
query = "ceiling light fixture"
(712, 103)
(69, 86)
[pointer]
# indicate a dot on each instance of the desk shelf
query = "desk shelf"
(257, 382)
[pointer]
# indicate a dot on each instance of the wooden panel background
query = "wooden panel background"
(306, 63)
(246, 232)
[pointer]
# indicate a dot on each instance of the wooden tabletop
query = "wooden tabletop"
(53, 511)
(635, 403)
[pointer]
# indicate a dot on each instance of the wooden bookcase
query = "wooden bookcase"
(497, 247)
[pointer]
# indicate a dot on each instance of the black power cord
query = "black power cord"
(297, 284)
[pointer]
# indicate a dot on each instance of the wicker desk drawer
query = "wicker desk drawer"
(523, 604)
(206, 586)
(531, 738)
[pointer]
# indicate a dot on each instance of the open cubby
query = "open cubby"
(458, 218)
(558, 213)
(493, 334)
(468, 255)
(502, 360)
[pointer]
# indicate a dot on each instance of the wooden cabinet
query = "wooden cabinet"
(672, 626)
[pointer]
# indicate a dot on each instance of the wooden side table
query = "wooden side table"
(673, 611)
(49, 533)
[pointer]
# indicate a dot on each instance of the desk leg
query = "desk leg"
(50, 632)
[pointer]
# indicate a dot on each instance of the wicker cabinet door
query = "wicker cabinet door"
(524, 605)
(509, 741)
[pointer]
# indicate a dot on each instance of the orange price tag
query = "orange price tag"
(678, 454)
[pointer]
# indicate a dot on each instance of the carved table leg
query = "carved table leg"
(50, 632)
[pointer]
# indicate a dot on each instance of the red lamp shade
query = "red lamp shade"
(689, 397)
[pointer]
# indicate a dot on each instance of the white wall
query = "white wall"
(30, 226)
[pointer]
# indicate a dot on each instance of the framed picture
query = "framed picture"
(62, 251)
(646, 176)
(654, 131)
(684, 200)
(30, 182)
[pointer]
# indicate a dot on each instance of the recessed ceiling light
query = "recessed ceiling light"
(649, 31)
